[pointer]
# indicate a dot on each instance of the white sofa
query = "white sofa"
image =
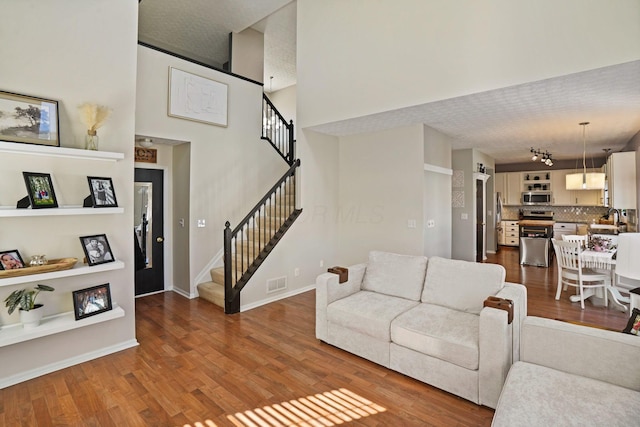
(425, 319)
(571, 375)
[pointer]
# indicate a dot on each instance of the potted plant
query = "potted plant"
(30, 312)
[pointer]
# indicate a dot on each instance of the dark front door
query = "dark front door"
(148, 230)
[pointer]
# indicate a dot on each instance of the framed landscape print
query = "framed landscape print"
(102, 193)
(28, 119)
(40, 190)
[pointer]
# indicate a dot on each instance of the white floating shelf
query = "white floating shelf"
(45, 150)
(15, 333)
(10, 211)
(79, 270)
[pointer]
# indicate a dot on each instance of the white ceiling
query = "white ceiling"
(503, 123)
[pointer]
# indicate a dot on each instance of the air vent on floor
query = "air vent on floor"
(277, 284)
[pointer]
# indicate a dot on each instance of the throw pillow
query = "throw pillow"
(633, 326)
(394, 274)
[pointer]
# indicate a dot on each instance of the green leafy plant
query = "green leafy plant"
(25, 298)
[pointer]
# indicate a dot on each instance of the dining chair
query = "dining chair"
(572, 273)
(584, 239)
(627, 262)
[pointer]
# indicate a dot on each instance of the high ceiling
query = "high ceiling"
(504, 123)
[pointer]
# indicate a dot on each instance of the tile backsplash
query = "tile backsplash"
(585, 214)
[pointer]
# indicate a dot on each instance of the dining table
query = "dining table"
(603, 260)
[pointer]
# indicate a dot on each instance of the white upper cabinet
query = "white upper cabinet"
(621, 174)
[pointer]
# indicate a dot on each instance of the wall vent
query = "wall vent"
(277, 284)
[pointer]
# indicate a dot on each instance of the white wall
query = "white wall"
(247, 54)
(376, 206)
(74, 52)
(436, 198)
(383, 55)
(231, 168)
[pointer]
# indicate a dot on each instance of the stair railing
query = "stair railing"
(277, 131)
(244, 249)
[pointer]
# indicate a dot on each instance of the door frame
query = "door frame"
(167, 230)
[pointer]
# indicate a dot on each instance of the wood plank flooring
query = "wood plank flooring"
(196, 367)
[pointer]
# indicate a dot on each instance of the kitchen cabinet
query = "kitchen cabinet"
(621, 174)
(511, 231)
(563, 197)
(509, 185)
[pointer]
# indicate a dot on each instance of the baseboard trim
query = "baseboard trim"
(185, 294)
(43, 370)
(276, 298)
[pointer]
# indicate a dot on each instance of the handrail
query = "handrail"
(277, 131)
(262, 228)
(249, 243)
(266, 197)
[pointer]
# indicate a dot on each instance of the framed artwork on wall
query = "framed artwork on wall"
(197, 98)
(29, 120)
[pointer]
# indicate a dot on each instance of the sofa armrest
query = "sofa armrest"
(495, 353)
(329, 290)
(581, 350)
(518, 294)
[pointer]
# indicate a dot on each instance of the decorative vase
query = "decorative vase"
(31, 318)
(38, 260)
(91, 140)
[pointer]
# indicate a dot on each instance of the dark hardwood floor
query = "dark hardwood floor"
(197, 367)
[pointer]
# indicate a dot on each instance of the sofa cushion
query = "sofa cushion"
(394, 274)
(441, 332)
(461, 285)
(535, 395)
(369, 313)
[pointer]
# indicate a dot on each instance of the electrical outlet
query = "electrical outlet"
(296, 272)
(321, 263)
(464, 216)
(431, 223)
(201, 223)
(411, 223)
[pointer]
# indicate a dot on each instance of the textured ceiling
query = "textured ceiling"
(199, 29)
(503, 123)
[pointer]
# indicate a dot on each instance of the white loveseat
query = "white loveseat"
(425, 319)
(571, 375)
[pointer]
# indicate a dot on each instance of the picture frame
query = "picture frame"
(29, 120)
(11, 260)
(103, 195)
(91, 301)
(96, 249)
(197, 98)
(40, 190)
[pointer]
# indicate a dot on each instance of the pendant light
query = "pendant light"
(584, 180)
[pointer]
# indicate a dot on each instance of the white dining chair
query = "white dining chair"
(572, 273)
(627, 263)
(584, 239)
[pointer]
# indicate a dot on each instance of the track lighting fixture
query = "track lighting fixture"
(544, 156)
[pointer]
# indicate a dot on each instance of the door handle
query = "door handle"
(159, 239)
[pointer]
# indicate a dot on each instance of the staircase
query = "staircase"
(249, 243)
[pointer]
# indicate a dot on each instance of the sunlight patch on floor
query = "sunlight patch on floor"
(320, 410)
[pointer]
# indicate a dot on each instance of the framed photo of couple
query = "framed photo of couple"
(96, 249)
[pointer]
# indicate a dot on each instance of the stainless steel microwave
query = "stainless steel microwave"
(536, 198)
